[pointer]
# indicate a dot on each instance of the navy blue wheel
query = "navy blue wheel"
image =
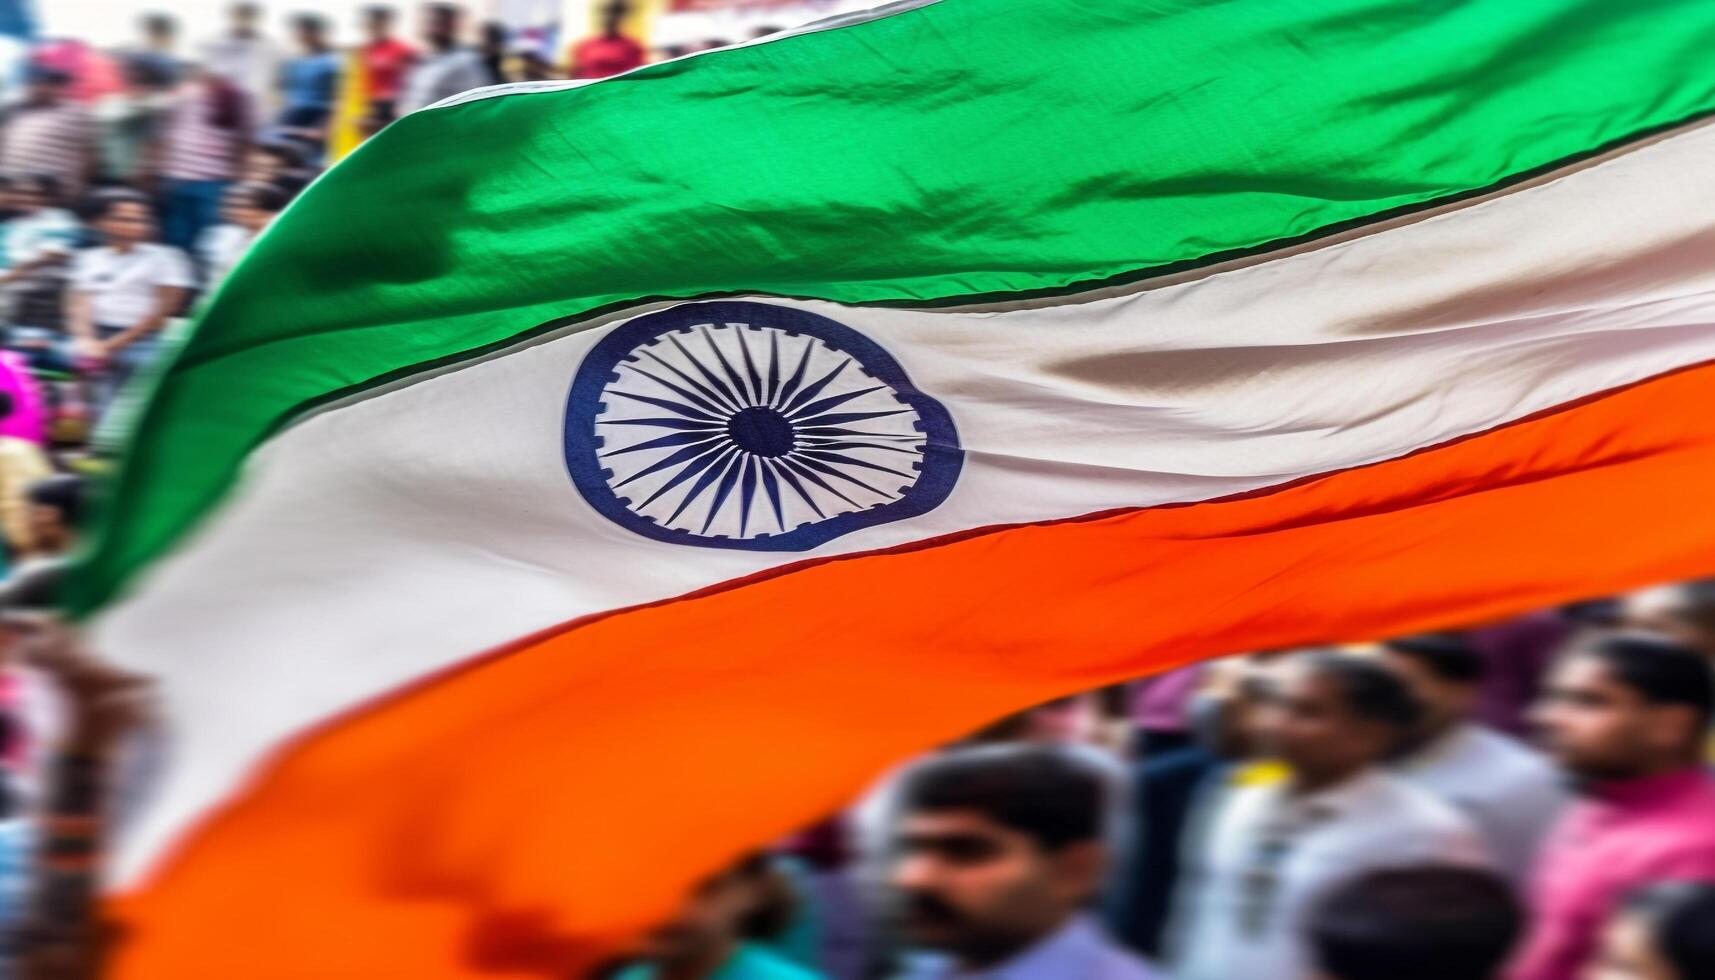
(748, 425)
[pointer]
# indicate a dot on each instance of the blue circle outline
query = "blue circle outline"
(938, 470)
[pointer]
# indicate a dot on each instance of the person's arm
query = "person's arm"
(168, 301)
(80, 323)
(21, 464)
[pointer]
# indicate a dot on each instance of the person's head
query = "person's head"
(29, 193)
(1663, 931)
(1332, 714)
(160, 30)
(1624, 706)
(1223, 711)
(378, 23)
(1684, 611)
(996, 847)
(748, 901)
(56, 508)
(45, 86)
(1444, 673)
(494, 37)
(268, 162)
(612, 16)
(1418, 923)
(311, 31)
(123, 217)
(245, 17)
(441, 24)
(251, 204)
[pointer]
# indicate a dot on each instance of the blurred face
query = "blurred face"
(46, 527)
(1600, 729)
(378, 25)
(245, 17)
(45, 91)
(981, 891)
(440, 26)
(1307, 724)
(706, 923)
(1445, 703)
(1629, 953)
(127, 221)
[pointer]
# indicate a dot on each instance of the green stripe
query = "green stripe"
(968, 149)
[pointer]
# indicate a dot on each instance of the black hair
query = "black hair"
(47, 185)
(310, 22)
(1420, 923)
(1680, 917)
(1369, 689)
(379, 12)
(1662, 671)
(1697, 603)
(289, 155)
(263, 196)
(63, 492)
(1041, 791)
(8, 404)
(160, 23)
(101, 203)
(1448, 656)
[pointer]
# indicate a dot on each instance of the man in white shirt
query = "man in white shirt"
(446, 67)
(122, 293)
(246, 58)
(1508, 789)
(1273, 851)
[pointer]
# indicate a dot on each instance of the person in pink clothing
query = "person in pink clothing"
(1625, 715)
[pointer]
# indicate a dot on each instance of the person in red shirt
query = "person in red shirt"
(1625, 715)
(386, 59)
(608, 53)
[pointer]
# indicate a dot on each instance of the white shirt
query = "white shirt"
(251, 63)
(1509, 790)
(122, 286)
(1270, 856)
(1078, 950)
(220, 247)
(440, 75)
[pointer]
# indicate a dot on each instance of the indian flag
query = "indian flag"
(584, 483)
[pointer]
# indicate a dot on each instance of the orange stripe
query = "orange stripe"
(516, 817)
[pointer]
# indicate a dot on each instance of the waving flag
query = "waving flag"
(584, 483)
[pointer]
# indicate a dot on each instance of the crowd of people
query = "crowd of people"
(1529, 800)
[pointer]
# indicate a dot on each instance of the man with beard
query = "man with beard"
(1000, 851)
(1625, 715)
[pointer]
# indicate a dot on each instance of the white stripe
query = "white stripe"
(373, 544)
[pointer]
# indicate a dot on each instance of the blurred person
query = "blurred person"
(1516, 655)
(1624, 714)
(446, 67)
(1664, 931)
(1684, 611)
(607, 53)
(309, 81)
(1173, 785)
(491, 46)
(22, 463)
(386, 60)
(199, 153)
(56, 511)
(48, 133)
(122, 293)
(131, 120)
(245, 211)
(245, 57)
(714, 936)
(1157, 706)
(36, 243)
(1420, 923)
(1509, 790)
(274, 162)
(1273, 850)
(999, 853)
(526, 64)
(158, 53)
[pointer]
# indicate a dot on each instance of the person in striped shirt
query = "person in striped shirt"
(50, 134)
